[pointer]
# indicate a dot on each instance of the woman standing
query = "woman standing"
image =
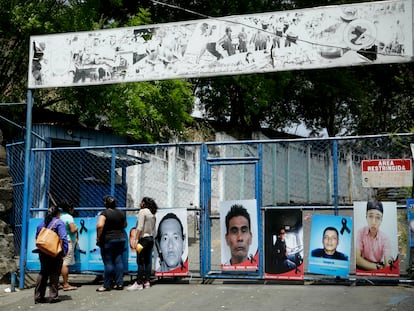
(110, 237)
(145, 236)
(50, 267)
(67, 212)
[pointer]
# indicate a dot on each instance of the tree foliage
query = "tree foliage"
(147, 112)
(242, 104)
(359, 100)
(389, 104)
(327, 99)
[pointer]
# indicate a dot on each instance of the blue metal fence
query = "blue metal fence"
(302, 173)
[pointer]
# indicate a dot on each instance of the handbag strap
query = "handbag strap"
(53, 224)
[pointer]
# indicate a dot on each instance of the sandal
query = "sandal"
(118, 287)
(70, 287)
(102, 289)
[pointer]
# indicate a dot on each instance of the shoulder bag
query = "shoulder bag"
(48, 241)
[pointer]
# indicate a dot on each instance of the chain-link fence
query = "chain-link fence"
(313, 175)
(310, 174)
(84, 175)
(15, 160)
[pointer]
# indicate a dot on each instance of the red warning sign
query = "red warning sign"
(387, 173)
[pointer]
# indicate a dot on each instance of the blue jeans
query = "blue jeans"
(112, 254)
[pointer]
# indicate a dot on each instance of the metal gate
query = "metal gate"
(222, 163)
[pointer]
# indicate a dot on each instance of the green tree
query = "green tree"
(367, 99)
(155, 111)
(327, 99)
(389, 104)
(246, 103)
(147, 111)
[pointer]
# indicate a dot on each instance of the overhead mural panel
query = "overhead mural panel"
(335, 36)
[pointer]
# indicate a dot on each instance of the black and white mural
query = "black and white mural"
(334, 36)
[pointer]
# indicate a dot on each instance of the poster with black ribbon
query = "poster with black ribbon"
(376, 238)
(330, 245)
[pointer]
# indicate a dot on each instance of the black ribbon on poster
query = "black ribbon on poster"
(344, 226)
(83, 228)
(391, 263)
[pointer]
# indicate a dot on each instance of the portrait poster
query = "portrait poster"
(330, 245)
(283, 242)
(410, 215)
(245, 246)
(376, 256)
(171, 242)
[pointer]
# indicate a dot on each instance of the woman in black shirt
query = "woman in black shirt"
(110, 237)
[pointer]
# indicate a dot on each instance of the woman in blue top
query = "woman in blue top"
(67, 211)
(50, 267)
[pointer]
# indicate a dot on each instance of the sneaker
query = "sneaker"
(147, 285)
(135, 286)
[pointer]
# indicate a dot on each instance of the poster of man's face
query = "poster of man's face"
(283, 244)
(171, 240)
(239, 236)
(330, 245)
(376, 238)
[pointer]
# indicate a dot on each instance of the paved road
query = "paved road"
(192, 295)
